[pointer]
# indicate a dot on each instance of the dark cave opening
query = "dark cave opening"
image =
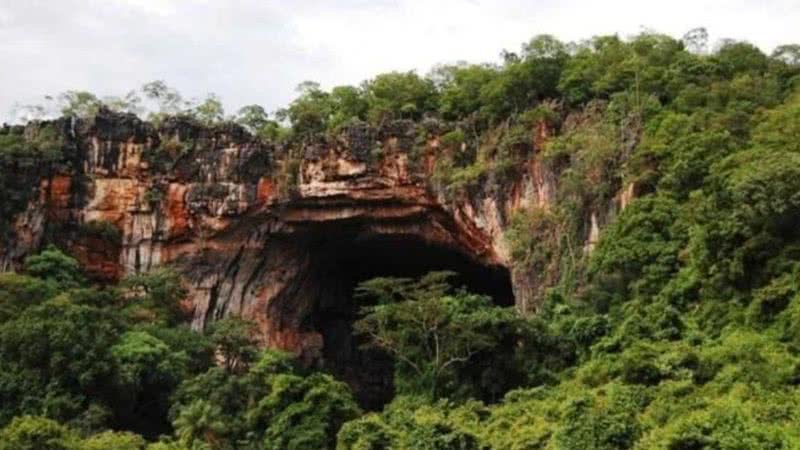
(342, 261)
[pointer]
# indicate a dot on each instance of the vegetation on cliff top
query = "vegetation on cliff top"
(678, 331)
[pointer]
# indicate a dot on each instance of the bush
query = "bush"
(37, 433)
(114, 440)
(52, 264)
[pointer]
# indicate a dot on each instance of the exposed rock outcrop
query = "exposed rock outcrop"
(279, 235)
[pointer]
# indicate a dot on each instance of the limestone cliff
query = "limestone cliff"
(276, 233)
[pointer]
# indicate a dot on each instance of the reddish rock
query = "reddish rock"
(265, 190)
(99, 258)
(249, 241)
(57, 190)
(307, 346)
(177, 210)
(543, 133)
(285, 254)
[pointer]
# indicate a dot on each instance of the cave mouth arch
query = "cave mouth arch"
(340, 261)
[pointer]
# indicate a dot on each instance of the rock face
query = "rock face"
(279, 235)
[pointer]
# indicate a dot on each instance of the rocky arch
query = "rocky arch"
(298, 266)
(276, 232)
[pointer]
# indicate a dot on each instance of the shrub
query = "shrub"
(37, 433)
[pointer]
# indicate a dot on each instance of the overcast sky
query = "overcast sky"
(257, 51)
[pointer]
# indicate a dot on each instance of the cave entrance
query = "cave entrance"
(341, 261)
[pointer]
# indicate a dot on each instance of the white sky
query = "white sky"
(257, 51)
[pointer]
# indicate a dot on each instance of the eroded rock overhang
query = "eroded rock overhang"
(246, 221)
(276, 264)
(292, 265)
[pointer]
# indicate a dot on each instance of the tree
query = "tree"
(235, 340)
(779, 129)
(399, 95)
(748, 216)
(52, 264)
(210, 110)
(595, 70)
(201, 423)
(460, 88)
(409, 422)
(208, 408)
(155, 296)
(638, 254)
(429, 331)
(167, 444)
(736, 57)
(607, 65)
(56, 359)
(272, 405)
(544, 58)
(258, 121)
(18, 292)
(588, 424)
(37, 433)
(148, 370)
(728, 425)
(252, 117)
(130, 103)
(525, 79)
(114, 440)
(696, 40)
(368, 432)
(310, 112)
(168, 100)
(80, 104)
(789, 54)
(302, 412)
(348, 103)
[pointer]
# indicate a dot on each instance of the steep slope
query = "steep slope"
(271, 232)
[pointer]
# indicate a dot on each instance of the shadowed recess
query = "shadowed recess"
(341, 262)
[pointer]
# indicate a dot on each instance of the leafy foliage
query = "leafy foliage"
(37, 433)
(675, 327)
(234, 339)
(52, 264)
(155, 296)
(429, 331)
(273, 404)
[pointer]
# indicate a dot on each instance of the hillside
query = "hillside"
(588, 246)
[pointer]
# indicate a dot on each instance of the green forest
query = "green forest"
(680, 330)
